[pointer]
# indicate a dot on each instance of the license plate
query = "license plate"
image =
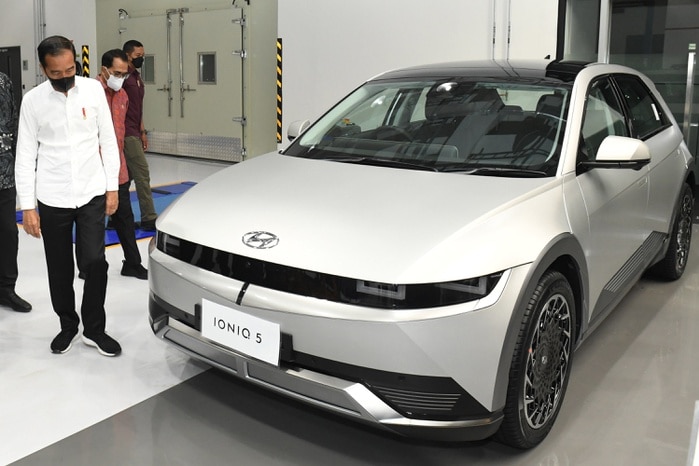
(241, 332)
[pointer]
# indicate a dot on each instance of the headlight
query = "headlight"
(424, 295)
(325, 286)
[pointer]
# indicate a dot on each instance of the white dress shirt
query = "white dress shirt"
(67, 152)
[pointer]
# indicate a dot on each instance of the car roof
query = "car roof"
(557, 70)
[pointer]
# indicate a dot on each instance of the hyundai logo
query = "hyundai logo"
(260, 240)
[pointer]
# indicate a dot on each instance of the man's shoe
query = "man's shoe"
(63, 341)
(105, 344)
(134, 270)
(148, 225)
(11, 299)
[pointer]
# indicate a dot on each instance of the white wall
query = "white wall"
(331, 46)
(74, 19)
(534, 26)
(17, 29)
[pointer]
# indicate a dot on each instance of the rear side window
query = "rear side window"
(647, 117)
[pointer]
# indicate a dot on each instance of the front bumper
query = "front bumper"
(359, 363)
(352, 399)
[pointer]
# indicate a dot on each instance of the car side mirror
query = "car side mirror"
(620, 152)
(296, 128)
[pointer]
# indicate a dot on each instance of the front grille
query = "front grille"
(413, 396)
(418, 402)
(322, 285)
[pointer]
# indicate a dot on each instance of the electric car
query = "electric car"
(429, 253)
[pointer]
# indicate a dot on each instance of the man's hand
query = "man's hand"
(31, 223)
(111, 202)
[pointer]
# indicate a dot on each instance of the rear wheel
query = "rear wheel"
(672, 266)
(540, 364)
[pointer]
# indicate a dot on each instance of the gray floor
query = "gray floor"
(630, 401)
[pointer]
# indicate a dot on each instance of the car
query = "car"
(426, 256)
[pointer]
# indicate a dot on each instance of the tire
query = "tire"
(541, 363)
(671, 267)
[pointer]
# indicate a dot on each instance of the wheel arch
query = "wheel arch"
(565, 255)
(692, 181)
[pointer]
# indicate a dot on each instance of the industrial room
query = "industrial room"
(633, 388)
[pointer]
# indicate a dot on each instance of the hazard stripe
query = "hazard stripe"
(279, 90)
(86, 61)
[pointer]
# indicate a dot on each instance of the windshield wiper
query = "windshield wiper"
(498, 171)
(363, 160)
(380, 162)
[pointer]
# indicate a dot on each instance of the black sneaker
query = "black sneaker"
(134, 270)
(105, 344)
(63, 341)
(11, 300)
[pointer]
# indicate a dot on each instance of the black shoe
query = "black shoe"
(105, 344)
(134, 270)
(63, 341)
(11, 299)
(148, 225)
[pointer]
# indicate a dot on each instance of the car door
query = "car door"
(649, 123)
(615, 199)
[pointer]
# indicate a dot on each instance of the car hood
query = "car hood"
(374, 223)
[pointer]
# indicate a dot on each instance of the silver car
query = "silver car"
(427, 255)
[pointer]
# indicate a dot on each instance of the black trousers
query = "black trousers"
(57, 231)
(9, 239)
(123, 222)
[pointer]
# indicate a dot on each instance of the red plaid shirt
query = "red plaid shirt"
(118, 104)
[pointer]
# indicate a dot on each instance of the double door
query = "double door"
(193, 73)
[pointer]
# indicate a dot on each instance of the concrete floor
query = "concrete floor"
(630, 401)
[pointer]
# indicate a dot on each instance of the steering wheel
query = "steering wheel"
(392, 133)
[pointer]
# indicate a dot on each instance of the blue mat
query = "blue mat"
(162, 197)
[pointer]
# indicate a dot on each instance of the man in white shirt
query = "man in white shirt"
(67, 165)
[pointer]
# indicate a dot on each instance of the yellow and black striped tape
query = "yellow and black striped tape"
(279, 90)
(86, 61)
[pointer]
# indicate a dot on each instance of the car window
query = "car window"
(647, 117)
(456, 124)
(603, 117)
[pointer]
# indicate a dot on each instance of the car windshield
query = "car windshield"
(479, 126)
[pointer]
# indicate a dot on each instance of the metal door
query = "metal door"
(193, 76)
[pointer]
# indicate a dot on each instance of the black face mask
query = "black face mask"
(63, 84)
(137, 62)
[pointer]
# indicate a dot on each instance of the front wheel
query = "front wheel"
(540, 364)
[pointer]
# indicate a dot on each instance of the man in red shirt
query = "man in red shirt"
(115, 69)
(136, 139)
